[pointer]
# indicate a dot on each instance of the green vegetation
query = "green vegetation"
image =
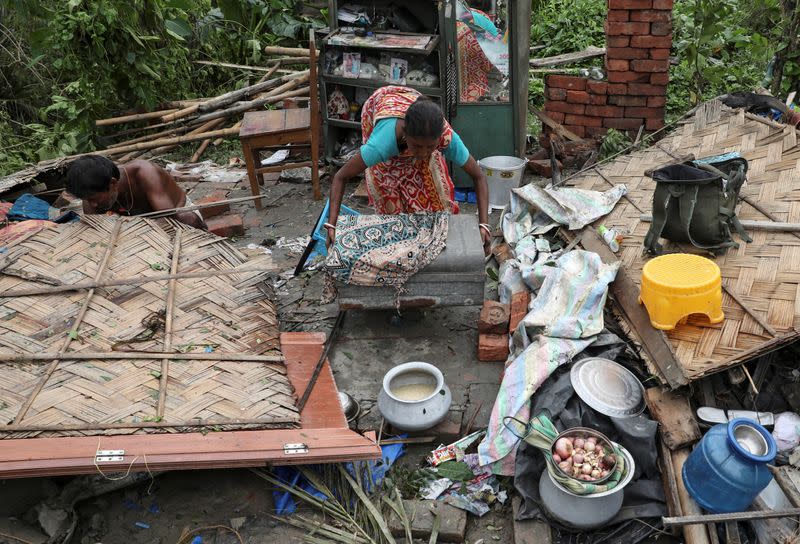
(66, 63)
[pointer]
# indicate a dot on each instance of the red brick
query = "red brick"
(597, 87)
(519, 309)
(647, 113)
(598, 99)
(628, 100)
(618, 15)
(578, 130)
(583, 120)
(659, 54)
(626, 53)
(623, 124)
(630, 4)
(542, 167)
(492, 347)
(643, 89)
(663, 4)
(651, 41)
(616, 89)
(566, 82)
(226, 225)
(596, 132)
(651, 15)
(628, 77)
(654, 124)
(213, 211)
(627, 29)
(618, 65)
(556, 116)
(605, 111)
(577, 97)
(659, 78)
(565, 107)
(656, 101)
(494, 317)
(618, 41)
(649, 65)
(660, 29)
(554, 93)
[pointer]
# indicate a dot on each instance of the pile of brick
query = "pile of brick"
(496, 324)
(638, 42)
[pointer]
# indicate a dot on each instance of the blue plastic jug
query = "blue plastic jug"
(728, 468)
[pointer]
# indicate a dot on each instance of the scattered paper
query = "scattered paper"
(279, 156)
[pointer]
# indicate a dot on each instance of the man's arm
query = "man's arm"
(161, 189)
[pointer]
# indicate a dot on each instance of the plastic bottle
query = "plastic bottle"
(610, 237)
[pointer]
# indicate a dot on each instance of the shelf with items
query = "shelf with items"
(344, 123)
(398, 42)
(376, 84)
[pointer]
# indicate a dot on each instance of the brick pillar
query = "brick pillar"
(638, 41)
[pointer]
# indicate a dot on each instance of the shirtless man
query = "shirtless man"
(137, 187)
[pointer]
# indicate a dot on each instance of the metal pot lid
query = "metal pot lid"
(608, 387)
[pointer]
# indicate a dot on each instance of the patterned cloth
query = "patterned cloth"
(383, 250)
(404, 184)
(473, 65)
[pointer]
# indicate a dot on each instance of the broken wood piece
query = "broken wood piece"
(131, 118)
(557, 127)
(674, 415)
(232, 96)
(668, 478)
(237, 126)
(700, 519)
(692, 534)
(568, 58)
(253, 104)
(772, 226)
(626, 293)
(185, 112)
(288, 51)
(144, 146)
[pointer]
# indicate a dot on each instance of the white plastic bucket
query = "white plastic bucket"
(502, 174)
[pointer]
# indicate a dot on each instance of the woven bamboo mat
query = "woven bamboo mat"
(764, 275)
(223, 315)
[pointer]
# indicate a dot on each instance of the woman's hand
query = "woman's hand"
(487, 242)
(331, 235)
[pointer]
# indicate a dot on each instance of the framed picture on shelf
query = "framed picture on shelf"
(352, 65)
(397, 71)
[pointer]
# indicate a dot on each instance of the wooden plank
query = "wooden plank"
(558, 128)
(692, 534)
(323, 429)
(788, 478)
(674, 415)
(170, 304)
(669, 479)
(626, 292)
(568, 58)
(700, 519)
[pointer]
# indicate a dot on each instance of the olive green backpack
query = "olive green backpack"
(695, 202)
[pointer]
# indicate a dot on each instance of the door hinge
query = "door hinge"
(109, 456)
(295, 449)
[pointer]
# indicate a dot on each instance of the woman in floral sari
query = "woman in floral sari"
(406, 142)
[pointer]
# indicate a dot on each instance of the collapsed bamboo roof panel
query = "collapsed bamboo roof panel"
(761, 279)
(223, 316)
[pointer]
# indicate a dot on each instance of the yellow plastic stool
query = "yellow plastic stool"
(677, 285)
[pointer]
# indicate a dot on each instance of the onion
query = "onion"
(596, 473)
(603, 473)
(609, 461)
(586, 468)
(579, 442)
(565, 466)
(577, 459)
(586, 477)
(590, 444)
(563, 448)
(569, 439)
(599, 449)
(557, 458)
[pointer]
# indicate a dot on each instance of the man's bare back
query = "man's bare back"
(132, 189)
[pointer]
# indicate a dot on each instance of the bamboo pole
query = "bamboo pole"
(147, 137)
(200, 150)
(270, 72)
(130, 118)
(126, 281)
(205, 127)
(144, 146)
(138, 355)
(279, 61)
(233, 96)
(171, 287)
(179, 114)
(237, 127)
(253, 104)
(288, 51)
(772, 226)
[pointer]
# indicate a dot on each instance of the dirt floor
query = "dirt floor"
(160, 510)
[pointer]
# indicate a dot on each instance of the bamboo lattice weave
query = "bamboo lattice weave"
(231, 314)
(765, 274)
